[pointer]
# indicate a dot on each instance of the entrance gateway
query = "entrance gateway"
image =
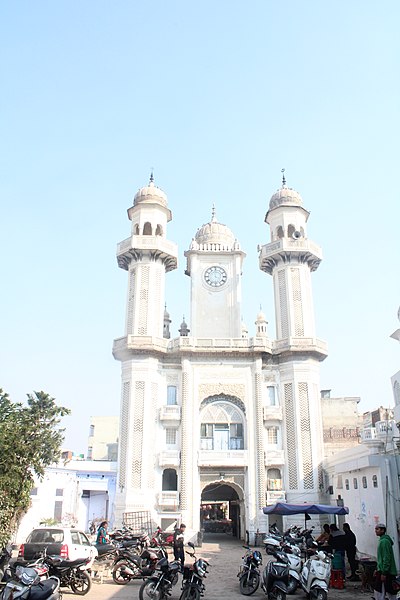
(222, 509)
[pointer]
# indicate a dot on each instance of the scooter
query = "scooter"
(293, 553)
(315, 576)
(26, 584)
(275, 577)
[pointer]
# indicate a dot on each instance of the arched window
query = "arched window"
(221, 427)
(159, 230)
(137, 229)
(274, 479)
(169, 480)
(147, 230)
(279, 232)
(290, 230)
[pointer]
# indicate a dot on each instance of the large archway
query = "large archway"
(220, 510)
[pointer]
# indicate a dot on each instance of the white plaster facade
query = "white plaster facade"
(73, 495)
(214, 414)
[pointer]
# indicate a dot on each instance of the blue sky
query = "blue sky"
(217, 97)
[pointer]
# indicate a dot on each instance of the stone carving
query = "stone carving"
(228, 389)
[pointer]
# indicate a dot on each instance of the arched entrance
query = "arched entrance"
(220, 509)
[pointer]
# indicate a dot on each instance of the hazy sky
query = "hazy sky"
(217, 96)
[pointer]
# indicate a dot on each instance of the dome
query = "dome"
(285, 196)
(215, 233)
(150, 194)
(261, 317)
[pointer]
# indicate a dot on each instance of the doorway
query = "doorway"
(220, 510)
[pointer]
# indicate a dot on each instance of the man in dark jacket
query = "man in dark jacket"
(351, 550)
(337, 541)
(385, 566)
(179, 540)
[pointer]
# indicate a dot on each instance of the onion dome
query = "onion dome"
(260, 318)
(184, 330)
(150, 194)
(215, 233)
(285, 196)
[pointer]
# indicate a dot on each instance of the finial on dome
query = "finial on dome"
(152, 175)
(213, 217)
(283, 178)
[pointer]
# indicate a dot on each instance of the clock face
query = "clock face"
(215, 276)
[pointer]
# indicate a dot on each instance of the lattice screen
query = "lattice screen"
(144, 300)
(290, 420)
(152, 441)
(283, 304)
(259, 442)
(124, 433)
(131, 303)
(137, 438)
(184, 442)
(305, 433)
(297, 303)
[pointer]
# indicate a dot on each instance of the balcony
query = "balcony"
(222, 458)
(170, 415)
(168, 500)
(274, 456)
(385, 430)
(171, 458)
(272, 413)
(370, 439)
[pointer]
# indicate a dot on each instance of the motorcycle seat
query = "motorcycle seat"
(43, 590)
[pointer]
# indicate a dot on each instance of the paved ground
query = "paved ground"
(224, 554)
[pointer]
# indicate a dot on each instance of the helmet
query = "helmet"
(201, 567)
(257, 557)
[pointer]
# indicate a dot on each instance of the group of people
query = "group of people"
(344, 543)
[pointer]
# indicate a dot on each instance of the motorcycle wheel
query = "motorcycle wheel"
(249, 583)
(319, 595)
(81, 583)
(292, 585)
(118, 573)
(190, 593)
(278, 594)
(270, 549)
(148, 590)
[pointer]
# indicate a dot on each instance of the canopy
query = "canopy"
(280, 508)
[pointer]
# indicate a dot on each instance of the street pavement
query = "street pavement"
(224, 554)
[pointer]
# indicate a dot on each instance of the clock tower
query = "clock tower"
(214, 264)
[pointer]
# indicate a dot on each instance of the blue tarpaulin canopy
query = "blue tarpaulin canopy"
(281, 508)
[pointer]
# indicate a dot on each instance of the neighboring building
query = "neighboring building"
(75, 493)
(103, 438)
(366, 480)
(396, 380)
(341, 422)
(216, 418)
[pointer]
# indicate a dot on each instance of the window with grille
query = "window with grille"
(374, 481)
(346, 484)
(59, 492)
(339, 483)
(355, 483)
(364, 482)
(171, 395)
(221, 427)
(34, 491)
(272, 436)
(170, 436)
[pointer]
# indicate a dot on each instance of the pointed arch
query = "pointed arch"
(147, 229)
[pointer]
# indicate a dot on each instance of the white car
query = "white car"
(68, 542)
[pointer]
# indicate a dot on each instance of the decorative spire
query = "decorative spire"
(283, 178)
(213, 217)
(152, 175)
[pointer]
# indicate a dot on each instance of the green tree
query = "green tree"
(30, 441)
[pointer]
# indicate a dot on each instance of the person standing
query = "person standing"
(385, 566)
(102, 533)
(179, 540)
(351, 550)
(337, 541)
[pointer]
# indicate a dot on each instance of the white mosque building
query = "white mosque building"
(215, 418)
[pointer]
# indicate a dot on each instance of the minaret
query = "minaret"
(147, 256)
(290, 258)
(214, 264)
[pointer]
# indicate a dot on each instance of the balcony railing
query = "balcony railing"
(274, 457)
(272, 413)
(170, 413)
(226, 458)
(168, 500)
(170, 458)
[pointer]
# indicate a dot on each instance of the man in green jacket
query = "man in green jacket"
(386, 567)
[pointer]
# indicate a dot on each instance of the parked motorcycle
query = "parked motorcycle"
(293, 554)
(193, 575)
(275, 577)
(249, 572)
(315, 576)
(159, 586)
(71, 573)
(129, 566)
(25, 583)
